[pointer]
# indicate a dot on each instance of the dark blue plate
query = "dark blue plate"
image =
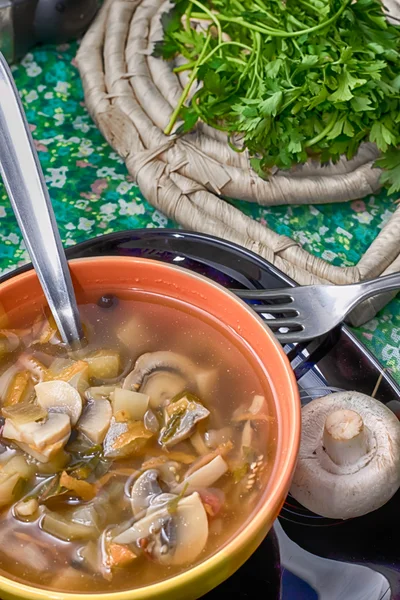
(305, 557)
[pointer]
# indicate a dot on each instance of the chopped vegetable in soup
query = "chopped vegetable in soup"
(133, 458)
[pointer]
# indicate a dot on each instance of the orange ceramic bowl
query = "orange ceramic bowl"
(22, 297)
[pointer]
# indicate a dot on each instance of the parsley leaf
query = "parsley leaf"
(291, 79)
(391, 162)
(346, 83)
(381, 136)
(271, 105)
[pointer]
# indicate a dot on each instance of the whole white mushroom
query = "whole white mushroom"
(349, 458)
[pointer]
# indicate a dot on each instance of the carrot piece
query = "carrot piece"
(124, 471)
(121, 416)
(83, 489)
(175, 456)
(67, 373)
(17, 388)
(137, 436)
(120, 556)
(182, 457)
(49, 330)
(249, 416)
(116, 473)
(212, 503)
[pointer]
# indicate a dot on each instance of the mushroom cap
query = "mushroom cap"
(188, 413)
(144, 489)
(163, 360)
(351, 490)
(39, 434)
(190, 525)
(164, 374)
(95, 420)
(59, 396)
(40, 439)
(161, 386)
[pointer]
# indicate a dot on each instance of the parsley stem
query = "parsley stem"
(193, 64)
(310, 7)
(189, 65)
(186, 89)
(200, 16)
(263, 8)
(233, 59)
(278, 32)
(188, 15)
(240, 21)
(235, 148)
(292, 19)
(295, 44)
(287, 74)
(230, 43)
(213, 18)
(324, 132)
(257, 44)
(185, 67)
(237, 5)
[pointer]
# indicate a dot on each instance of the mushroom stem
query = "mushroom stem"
(349, 458)
(345, 438)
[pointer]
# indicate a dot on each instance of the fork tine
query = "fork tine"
(293, 337)
(284, 322)
(264, 294)
(275, 308)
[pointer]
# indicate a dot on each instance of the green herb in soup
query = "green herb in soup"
(134, 458)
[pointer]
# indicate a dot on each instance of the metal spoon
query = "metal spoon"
(26, 188)
(331, 579)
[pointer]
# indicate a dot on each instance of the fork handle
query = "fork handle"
(373, 287)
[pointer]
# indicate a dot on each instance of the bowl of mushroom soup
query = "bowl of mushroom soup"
(153, 461)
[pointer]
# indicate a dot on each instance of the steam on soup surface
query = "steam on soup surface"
(134, 458)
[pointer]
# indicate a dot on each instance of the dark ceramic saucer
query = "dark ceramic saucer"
(305, 557)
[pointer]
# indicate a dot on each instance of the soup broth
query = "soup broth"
(134, 458)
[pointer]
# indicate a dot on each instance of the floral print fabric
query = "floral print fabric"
(92, 193)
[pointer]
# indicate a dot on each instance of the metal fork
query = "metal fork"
(300, 314)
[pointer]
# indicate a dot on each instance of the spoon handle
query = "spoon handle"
(26, 188)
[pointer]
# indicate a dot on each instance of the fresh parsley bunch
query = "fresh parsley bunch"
(291, 79)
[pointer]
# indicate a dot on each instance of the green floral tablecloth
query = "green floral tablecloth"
(92, 193)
